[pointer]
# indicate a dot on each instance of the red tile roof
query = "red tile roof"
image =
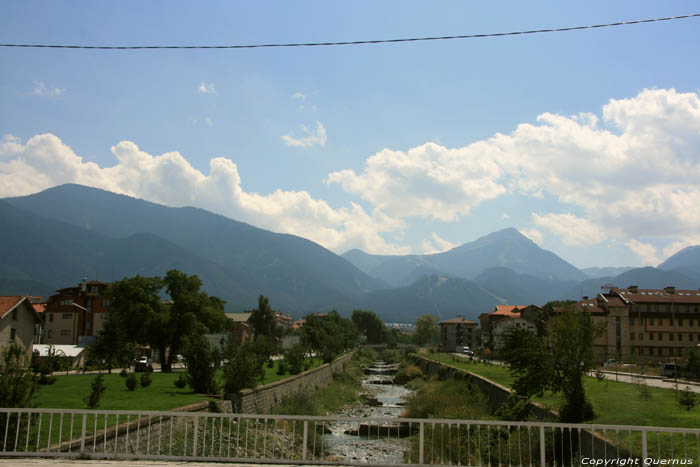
(7, 303)
(457, 320)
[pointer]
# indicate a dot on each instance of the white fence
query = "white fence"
(334, 440)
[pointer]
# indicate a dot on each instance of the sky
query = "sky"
(587, 142)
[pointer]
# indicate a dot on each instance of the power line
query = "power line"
(363, 42)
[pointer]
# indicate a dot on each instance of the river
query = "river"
(382, 399)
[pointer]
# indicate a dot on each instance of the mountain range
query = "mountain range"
(54, 238)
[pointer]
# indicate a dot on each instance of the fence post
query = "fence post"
(420, 443)
(306, 433)
(543, 448)
(82, 435)
(194, 436)
(644, 445)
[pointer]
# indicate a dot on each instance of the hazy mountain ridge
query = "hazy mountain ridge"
(54, 238)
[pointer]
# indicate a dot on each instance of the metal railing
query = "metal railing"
(328, 440)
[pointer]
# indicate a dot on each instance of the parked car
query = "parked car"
(610, 362)
(143, 364)
(467, 351)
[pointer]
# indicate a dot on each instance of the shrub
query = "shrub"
(214, 407)
(201, 373)
(124, 373)
(181, 382)
(282, 368)
(295, 359)
(98, 387)
(45, 379)
(145, 380)
(131, 382)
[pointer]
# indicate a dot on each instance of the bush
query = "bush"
(124, 373)
(214, 407)
(45, 379)
(295, 359)
(181, 382)
(145, 380)
(201, 373)
(282, 368)
(131, 382)
(96, 390)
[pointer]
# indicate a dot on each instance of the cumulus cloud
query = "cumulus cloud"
(315, 137)
(205, 88)
(572, 230)
(632, 171)
(645, 251)
(533, 234)
(42, 90)
(45, 161)
(436, 244)
(505, 216)
(299, 96)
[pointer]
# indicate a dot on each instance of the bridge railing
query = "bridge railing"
(322, 440)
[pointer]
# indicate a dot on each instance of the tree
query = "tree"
(96, 389)
(139, 311)
(329, 334)
(555, 361)
(111, 345)
(687, 399)
(201, 372)
(263, 319)
(369, 324)
(17, 387)
(427, 330)
(243, 368)
(692, 361)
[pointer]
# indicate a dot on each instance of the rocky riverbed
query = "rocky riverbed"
(369, 442)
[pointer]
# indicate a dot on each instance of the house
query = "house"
(504, 318)
(644, 325)
(76, 313)
(19, 322)
(284, 321)
(242, 330)
(457, 333)
(74, 353)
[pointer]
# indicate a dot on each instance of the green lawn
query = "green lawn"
(69, 390)
(616, 403)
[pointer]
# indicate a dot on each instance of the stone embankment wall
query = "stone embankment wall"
(264, 398)
(498, 394)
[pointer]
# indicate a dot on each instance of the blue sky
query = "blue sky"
(587, 142)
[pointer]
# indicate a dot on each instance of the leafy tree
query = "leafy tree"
(96, 389)
(555, 361)
(329, 334)
(692, 361)
(263, 319)
(17, 387)
(369, 324)
(140, 313)
(295, 359)
(243, 368)
(201, 373)
(111, 345)
(427, 330)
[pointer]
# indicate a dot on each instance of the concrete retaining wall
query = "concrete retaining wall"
(592, 443)
(264, 398)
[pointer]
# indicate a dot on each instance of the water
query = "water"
(373, 448)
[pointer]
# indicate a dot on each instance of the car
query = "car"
(610, 362)
(143, 364)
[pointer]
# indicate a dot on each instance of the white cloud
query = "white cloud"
(533, 234)
(316, 137)
(436, 244)
(505, 216)
(572, 230)
(633, 176)
(645, 251)
(205, 88)
(206, 121)
(45, 161)
(42, 90)
(299, 96)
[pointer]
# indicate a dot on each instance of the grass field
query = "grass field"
(615, 403)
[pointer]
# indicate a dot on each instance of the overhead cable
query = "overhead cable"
(360, 42)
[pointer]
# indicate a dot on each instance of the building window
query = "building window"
(680, 323)
(668, 308)
(67, 315)
(13, 331)
(656, 307)
(692, 322)
(106, 302)
(670, 336)
(651, 336)
(641, 336)
(50, 317)
(66, 302)
(680, 337)
(631, 336)
(661, 337)
(50, 333)
(631, 321)
(690, 338)
(651, 321)
(65, 332)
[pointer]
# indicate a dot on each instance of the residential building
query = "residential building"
(503, 318)
(284, 321)
(76, 313)
(457, 333)
(242, 331)
(645, 325)
(19, 322)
